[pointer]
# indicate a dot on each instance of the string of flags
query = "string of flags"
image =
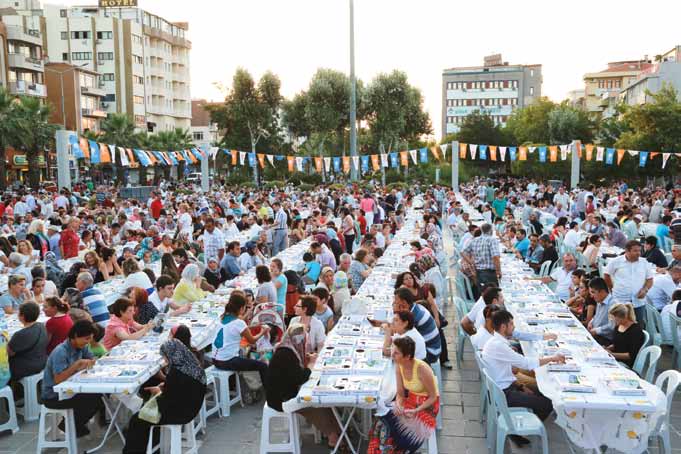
(551, 153)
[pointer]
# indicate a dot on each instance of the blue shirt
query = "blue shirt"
(536, 255)
(425, 325)
(61, 358)
(8, 300)
(661, 233)
(522, 246)
(94, 302)
(281, 291)
(230, 266)
(54, 245)
(312, 270)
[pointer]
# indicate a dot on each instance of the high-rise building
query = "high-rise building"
(142, 60)
(602, 88)
(496, 88)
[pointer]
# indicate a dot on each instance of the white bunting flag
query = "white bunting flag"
(563, 152)
(355, 162)
(214, 152)
(502, 150)
(474, 150)
(665, 158)
(531, 149)
(443, 147)
(124, 157)
(242, 157)
(112, 149)
(632, 153)
(299, 163)
(599, 153)
(384, 159)
(412, 153)
(327, 164)
(270, 158)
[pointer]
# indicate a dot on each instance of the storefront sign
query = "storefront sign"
(20, 160)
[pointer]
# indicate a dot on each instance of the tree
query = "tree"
(34, 133)
(567, 123)
(7, 130)
(531, 124)
(118, 129)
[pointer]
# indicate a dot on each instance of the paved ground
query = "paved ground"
(462, 433)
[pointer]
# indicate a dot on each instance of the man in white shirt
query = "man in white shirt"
(230, 230)
(630, 278)
(562, 276)
(161, 297)
(664, 285)
(480, 338)
(572, 237)
(561, 197)
(500, 359)
(62, 202)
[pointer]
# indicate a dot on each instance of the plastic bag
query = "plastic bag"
(150, 412)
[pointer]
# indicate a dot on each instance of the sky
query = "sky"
(293, 38)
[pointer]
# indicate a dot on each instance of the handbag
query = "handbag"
(150, 412)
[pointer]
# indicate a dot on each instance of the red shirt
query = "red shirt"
(156, 206)
(69, 241)
(58, 328)
(362, 225)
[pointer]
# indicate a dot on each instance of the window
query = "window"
(64, 35)
(62, 13)
(80, 35)
(108, 77)
(137, 59)
(198, 135)
(81, 55)
(138, 80)
(138, 99)
(531, 91)
(136, 39)
(104, 35)
(109, 97)
(104, 56)
(531, 72)
(87, 80)
(65, 56)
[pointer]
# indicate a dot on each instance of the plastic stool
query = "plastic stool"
(206, 411)
(31, 409)
(432, 443)
(221, 378)
(176, 438)
(11, 424)
(69, 441)
(293, 444)
(311, 430)
(437, 370)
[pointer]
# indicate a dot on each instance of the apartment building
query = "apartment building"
(204, 132)
(601, 89)
(496, 88)
(141, 59)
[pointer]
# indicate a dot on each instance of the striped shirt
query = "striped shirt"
(94, 302)
(425, 325)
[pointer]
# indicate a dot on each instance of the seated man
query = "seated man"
(654, 254)
(562, 276)
(600, 326)
(16, 294)
(500, 360)
(424, 322)
(663, 288)
(93, 300)
(229, 266)
(68, 358)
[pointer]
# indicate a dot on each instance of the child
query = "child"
(312, 269)
(96, 347)
(323, 313)
(576, 277)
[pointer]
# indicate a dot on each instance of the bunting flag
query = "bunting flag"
(251, 159)
(337, 164)
(374, 162)
(542, 154)
(579, 149)
(131, 158)
(474, 150)
(653, 154)
(493, 152)
(393, 160)
(642, 158)
(346, 164)
(443, 148)
(462, 151)
(94, 152)
(299, 163)
(261, 160)
(436, 154)
(404, 158)
(104, 155)
(234, 154)
(632, 153)
(423, 155)
(620, 155)
(365, 163)
(173, 158)
(512, 153)
(270, 158)
(157, 157)
(532, 149)
(384, 160)
(589, 152)
(291, 163)
(112, 150)
(609, 156)
(553, 153)
(318, 163)
(483, 152)
(665, 158)
(412, 153)
(75, 147)
(523, 153)
(502, 151)
(143, 158)
(85, 148)
(123, 156)
(563, 152)
(242, 158)
(355, 162)
(327, 164)
(180, 157)
(599, 153)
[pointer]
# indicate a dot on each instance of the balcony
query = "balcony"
(17, 33)
(25, 63)
(96, 113)
(94, 91)
(21, 87)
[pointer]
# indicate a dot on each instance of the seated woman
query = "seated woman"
(59, 324)
(593, 250)
(110, 266)
(212, 273)
(27, 349)
(628, 337)
(189, 288)
(305, 309)
(183, 392)
(225, 352)
(403, 326)
(134, 277)
(289, 369)
(121, 326)
(411, 420)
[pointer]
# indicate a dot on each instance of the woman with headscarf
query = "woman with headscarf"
(189, 288)
(181, 395)
(289, 368)
(212, 273)
(36, 235)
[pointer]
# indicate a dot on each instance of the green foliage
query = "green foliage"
(298, 178)
(7, 130)
(531, 124)
(567, 123)
(306, 187)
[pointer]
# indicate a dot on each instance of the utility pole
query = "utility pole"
(353, 95)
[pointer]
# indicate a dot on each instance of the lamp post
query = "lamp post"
(61, 85)
(353, 94)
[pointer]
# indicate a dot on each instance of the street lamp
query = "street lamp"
(353, 94)
(61, 84)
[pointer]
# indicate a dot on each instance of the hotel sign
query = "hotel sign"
(117, 3)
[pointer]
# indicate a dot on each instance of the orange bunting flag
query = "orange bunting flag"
(653, 154)
(620, 155)
(553, 153)
(579, 149)
(318, 162)
(523, 153)
(346, 164)
(131, 158)
(374, 162)
(178, 156)
(589, 151)
(493, 152)
(261, 160)
(291, 163)
(404, 158)
(104, 154)
(234, 154)
(85, 147)
(435, 152)
(462, 150)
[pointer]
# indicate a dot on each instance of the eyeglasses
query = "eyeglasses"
(298, 305)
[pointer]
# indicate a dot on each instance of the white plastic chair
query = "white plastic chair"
(461, 335)
(668, 382)
(654, 326)
(177, 433)
(646, 339)
(31, 409)
(545, 268)
(674, 326)
(221, 378)
(11, 424)
(44, 431)
(648, 355)
(293, 443)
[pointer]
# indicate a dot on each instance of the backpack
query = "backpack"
(295, 281)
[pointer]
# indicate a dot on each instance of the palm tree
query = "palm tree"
(7, 130)
(34, 133)
(118, 129)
